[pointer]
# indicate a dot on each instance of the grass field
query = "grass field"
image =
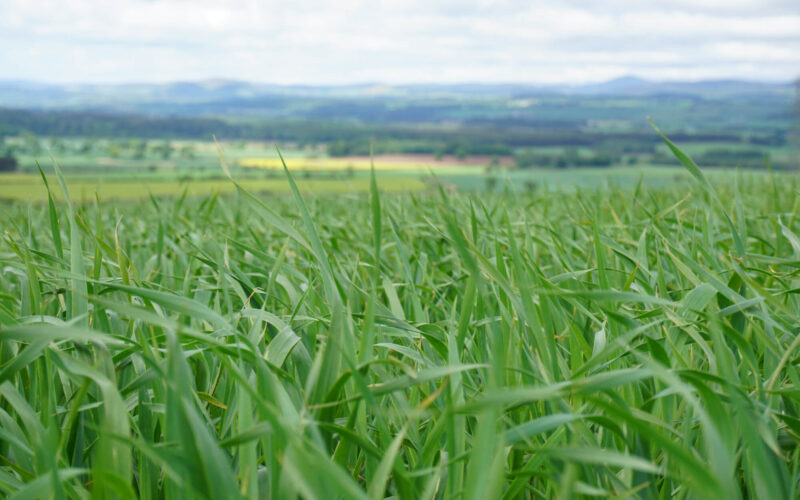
(624, 341)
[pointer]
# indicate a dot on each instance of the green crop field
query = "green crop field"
(624, 340)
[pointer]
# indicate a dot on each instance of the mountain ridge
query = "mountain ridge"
(236, 97)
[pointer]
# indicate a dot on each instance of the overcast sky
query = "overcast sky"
(355, 41)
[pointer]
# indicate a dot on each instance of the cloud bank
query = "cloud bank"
(355, 41)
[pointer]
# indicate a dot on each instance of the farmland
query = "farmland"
(625, 339)
(167, 128)
(131, 169)
(160, 140)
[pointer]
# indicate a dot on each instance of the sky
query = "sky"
(395, 42)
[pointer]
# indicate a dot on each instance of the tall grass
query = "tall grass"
(629, 343)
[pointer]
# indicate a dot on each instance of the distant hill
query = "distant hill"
(706, 88)
(762, 110)
(220, 96)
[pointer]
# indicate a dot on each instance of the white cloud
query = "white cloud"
(397, 41)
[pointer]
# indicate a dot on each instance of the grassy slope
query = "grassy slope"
(614, 341)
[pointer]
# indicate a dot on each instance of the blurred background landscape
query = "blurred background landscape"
(477, 97)
(473, 136)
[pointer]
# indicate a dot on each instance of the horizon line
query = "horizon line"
(377, 83)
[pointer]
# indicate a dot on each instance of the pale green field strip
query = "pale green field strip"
(30, 187)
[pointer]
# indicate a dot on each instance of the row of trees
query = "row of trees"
(457, 148)
(7, 163)
(721, 157)
(571, 157)
(30, 144)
